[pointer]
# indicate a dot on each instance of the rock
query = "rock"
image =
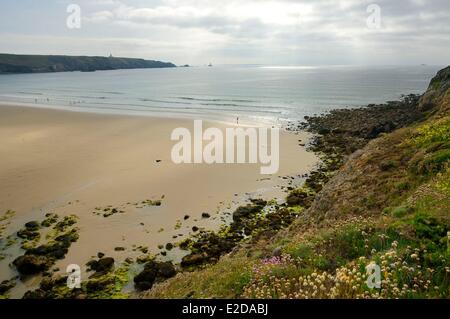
(31, 264)
(65, 223)
(299, 197)
(57, 250)
(100, 255)
(33, 225)
(105, 264)
(436, 91)
(153, 270)
(50, 220)
(59, 253)
(68, 238)
(6, 285)
(80, 295)
(258, 201)
(94, 285)
(186, 217)
(166, 269)
(323, 131)
(206, 215)
(194, 228)
(169, 246)
(184, 244)
(119, 248)
(145, 279)
(193, 259)
(35, 294)
(102, 265)
(46, 283)
(27, 234)
(246, 211)
(91, 264)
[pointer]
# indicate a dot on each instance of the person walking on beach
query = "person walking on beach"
(237, 120)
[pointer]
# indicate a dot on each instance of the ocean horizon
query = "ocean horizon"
(257, 94)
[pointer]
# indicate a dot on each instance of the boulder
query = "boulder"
(27, 234)
(33, 225)
(6, 285)
(31, 264)
(104, 264)
(246, 211)
(145, 279)
(35, 294)
(166, 269)
(193, 259)
(94, 285)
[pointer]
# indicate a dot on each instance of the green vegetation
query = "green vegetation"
(388, 205)
(10, 63)
(225, 279)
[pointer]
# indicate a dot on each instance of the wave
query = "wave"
(216, 100)
(194, 108)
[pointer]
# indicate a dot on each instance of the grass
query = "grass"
(225, 279)
(411, 244)
(391, 209)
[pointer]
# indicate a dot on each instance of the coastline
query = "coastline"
(66, 163)
(383, 179)
(132, 113)
(325, 210)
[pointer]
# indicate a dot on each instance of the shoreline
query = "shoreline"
(368, 186)
(316, 214)
(65, 162)
(138, 113)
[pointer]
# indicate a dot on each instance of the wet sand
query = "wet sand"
(70, 163)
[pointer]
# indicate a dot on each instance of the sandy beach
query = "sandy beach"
(72, 163)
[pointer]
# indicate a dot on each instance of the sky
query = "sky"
(271, 32)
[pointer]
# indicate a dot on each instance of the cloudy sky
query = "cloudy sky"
(274, 32)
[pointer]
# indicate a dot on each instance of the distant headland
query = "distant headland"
(12, 63)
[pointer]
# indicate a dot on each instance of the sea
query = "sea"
(256, 94)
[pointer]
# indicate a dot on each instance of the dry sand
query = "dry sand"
(69, 163)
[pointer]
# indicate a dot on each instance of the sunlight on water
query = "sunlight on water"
(254, 94)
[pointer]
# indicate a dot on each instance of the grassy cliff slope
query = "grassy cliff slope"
(388, 203)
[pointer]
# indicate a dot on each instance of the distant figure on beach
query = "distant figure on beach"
(35, 101)
(237, 120)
